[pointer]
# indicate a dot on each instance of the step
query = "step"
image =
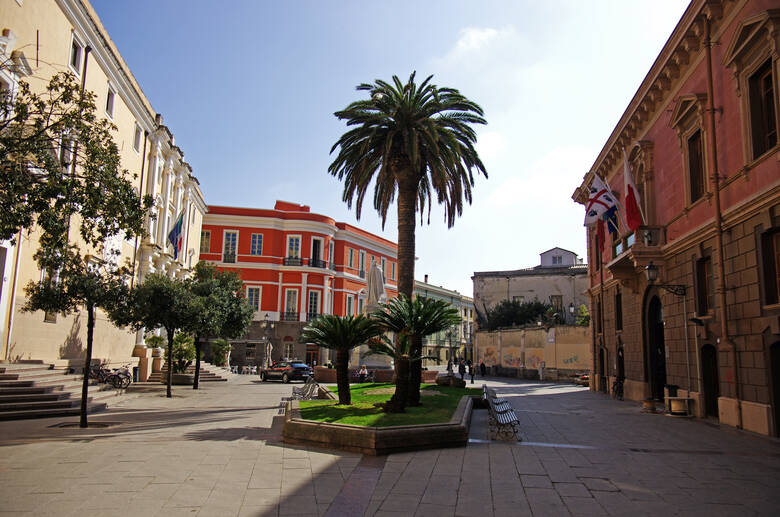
(30, 374)
(35, 397)
(31, 390)
(13, 368)
(48, 413)
(46, 404)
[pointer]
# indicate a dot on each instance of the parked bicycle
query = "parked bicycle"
(119, 378)
(617, 389)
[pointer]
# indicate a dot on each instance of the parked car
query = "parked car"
(287, 371)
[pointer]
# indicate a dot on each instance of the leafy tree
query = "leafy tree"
(183, 353)
(79, 282)
(221, 310)
(513, 313)
(415, 140)
(410, 320)
(158, 302)
(583, 316)
(219, 350)
(341, 334)
(59, 169)
(57, 158)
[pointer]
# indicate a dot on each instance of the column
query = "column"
(304, 305)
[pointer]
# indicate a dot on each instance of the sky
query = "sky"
(249, 91)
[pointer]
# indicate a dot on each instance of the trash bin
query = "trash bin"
(672, 389)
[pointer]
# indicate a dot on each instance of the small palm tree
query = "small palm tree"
(410, 320)
(341, 334)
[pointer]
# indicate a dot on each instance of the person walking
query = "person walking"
(471, 372)
(363, 373)
(462, 369)
(482, 368)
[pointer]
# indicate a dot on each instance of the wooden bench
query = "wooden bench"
(503, 423)
(307, 391)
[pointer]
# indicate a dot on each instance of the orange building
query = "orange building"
(295, 265)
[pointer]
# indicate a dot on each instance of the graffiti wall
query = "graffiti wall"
(563, 347)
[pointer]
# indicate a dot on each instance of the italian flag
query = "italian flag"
(634, 216)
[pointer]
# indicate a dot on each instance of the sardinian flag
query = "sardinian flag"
(600, 200)
(175, 236)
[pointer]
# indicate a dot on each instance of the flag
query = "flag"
(600, 199)
(634, 216)
(611, 218)
(175, 237)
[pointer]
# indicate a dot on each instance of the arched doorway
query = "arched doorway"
(774, 353)
(602, 370)
(656, 351)
(709, 379)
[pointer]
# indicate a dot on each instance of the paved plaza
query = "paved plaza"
(218, 452)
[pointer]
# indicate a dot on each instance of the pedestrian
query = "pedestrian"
(482, 368)
(462, 369)
(363, 373)
(541, 371)
(471, 372)
(449, 366)
(469, 363)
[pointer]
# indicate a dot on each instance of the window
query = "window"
(630, 240)
(110, 101)
(314, 303)
(331, 253)
(76, 49)
(253, 295)
(289, 350)
(137, 138)
(704, 286)
(350, 306)
(229, 248)
(205, 241)
(763, 121)
(361, 303)
(351, 257)
(617, 247)
(316, 248)
(518, 299)
(392, 271)
(294, 246)
(695, 166)
(556, 301)
(557, 259)
(362, 261)
(250, 351)
(770, 258)
(291, 304)
(257, 244)
(384, 269)
(598, 317)
(618, 309)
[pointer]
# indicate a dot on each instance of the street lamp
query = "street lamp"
(448, 335)
(267, 325)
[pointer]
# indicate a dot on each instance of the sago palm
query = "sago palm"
(341, 334)
(417, 140)
(410, 321)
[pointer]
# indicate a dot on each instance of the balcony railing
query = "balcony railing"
(229, 258)
(293, 261)
(318, 263)
(362, 274)
(311, 315)
(289, 316)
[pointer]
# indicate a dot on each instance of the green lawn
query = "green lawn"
(438, 405)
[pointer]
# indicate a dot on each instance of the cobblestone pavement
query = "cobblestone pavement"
(217, 452)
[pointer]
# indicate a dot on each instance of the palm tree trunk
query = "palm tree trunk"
(87, 365)
(397, 402)
(168, 392)
(197, 362)
(342, 376)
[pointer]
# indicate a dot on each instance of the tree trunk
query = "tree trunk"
(342, 376)
(87, 365)
(407, 211)
(197, 362)
(170, 364)
(397, 402)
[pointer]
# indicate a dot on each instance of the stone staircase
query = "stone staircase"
(208, 373)
(33, 389)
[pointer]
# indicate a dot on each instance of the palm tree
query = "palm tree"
(341, 334)
(418, 140)
(410, 320)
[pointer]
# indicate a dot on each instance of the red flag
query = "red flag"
(600, 234)
(634, 216)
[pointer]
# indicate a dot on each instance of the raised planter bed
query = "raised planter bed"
(376, 441)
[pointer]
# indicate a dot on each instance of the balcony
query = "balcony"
(289, 316)
(311, 315)
(229, 258)
(362, 274)
(318, 263)
(292, 261)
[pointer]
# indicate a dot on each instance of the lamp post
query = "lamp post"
(448, 336)
(267, 325)
(651, 270)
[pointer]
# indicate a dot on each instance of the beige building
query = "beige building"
(560, 280)
(457, 340)
(39, 39)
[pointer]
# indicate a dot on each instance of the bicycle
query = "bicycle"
(617, 389)
(120, 378)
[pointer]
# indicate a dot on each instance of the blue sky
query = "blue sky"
(249, 92)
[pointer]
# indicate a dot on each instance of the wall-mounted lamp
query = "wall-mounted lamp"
(651, 271)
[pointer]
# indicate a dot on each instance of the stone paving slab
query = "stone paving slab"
(217, 452)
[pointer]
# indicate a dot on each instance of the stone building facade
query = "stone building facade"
(457, 341)
(701, 140)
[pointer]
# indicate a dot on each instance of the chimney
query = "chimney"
(426, 279)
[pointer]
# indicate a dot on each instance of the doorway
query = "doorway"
(656, 350)
(709, 379)
(602, 371)
(312, 355)
(774, 352)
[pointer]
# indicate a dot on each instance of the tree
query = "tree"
(513, 313)
(78, 282)
(158, 302)
(410, 320)
(57, 158)
(583, 316)
(418, 140)
(221, 310)
(341, 334)
(183, 353)
(60, 167)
